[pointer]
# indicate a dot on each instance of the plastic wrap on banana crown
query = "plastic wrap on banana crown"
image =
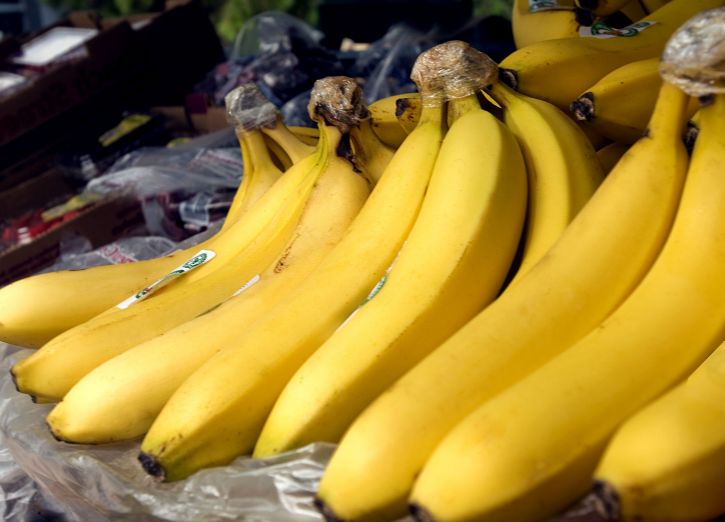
(694, 57)
(450, 71)
(247, 108)
(338, 100)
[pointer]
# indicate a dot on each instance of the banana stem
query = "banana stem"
(460, 106)
(501, 93)
(256, 148)
(431, 114)
(670, 113)
(293, 146)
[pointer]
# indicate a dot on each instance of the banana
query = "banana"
(562, 168)
(51, 371)
(652, 5)
(407, 112)
(371, 153)
(286, 145)
(308, 135)
(490, 467)
(453, 264)
(385, 123)
(36, 309)
(667, 461)
(218, 412)
(633, 10)
(603, 7)
(609, 155)
(120, 398)
(558, 71)
(532, 23)
(589, 271)
(620, 104)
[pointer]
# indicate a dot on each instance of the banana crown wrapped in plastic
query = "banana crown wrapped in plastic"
(694, 58)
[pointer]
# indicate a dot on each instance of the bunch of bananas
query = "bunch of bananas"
(453, 284)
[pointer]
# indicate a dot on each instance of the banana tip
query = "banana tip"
(152, 466)
(326, 510)
(419, 513)
(583, 107)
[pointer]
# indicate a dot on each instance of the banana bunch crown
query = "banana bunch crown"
(338, 101)
(450, 71)
(694, 57)
(247, 108)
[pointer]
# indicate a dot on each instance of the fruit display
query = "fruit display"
(494, 297)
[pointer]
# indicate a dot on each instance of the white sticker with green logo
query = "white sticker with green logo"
(375, 291)
(200, 258)
(246, 286)
(536, 6)
(602, 30)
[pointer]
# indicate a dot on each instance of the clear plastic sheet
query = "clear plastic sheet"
(694, 57)
(338, 100)
(248, 108)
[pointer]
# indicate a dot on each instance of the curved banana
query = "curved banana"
(36, 309)
(603, 7)
(308, 135)
(407, 112)
(609, 155)
(218, 413)
(453, 263)
(562, 168)
(51, 371)
(372, 154)
(385, 123)
(667, 461)
(580, 280)
(620, 104)
(490, 467)
(535, 24)
(558, 71)
(119, 399)
(285, 144)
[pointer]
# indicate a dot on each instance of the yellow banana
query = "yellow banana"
(453, 263)
(371, 153)
(580, 280)
(603, 7)
(534, 23)
(609, 155)
(620, 104)
(652, 5)
(308, 135)
(667, 462)
(407, 112)
(385, 123)
(563, 171)
(36, 309)
(51, 371)
(490, 467)
(218, 413)
(120, 399)
(285, 144)
(558, 71)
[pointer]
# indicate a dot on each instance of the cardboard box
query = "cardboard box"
(101, 224)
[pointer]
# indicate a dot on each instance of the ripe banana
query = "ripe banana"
(453, 263)
(667, 462)
(51, 371)
(561, 164)
(120, 399)
(286, 146)
(36, 309)
(602, 7)
(218, 413)
(370, 154)
(609, 155)
(385, 123)
(589, 271)
(533, 23)
(620, 104)
(558, 71)
(308, 135)
(490, 467)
